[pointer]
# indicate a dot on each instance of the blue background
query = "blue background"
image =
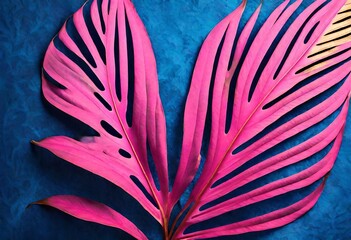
(177, 29)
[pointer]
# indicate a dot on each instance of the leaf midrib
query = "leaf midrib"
(128, 138)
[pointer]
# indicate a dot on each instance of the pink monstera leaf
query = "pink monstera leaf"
(256, 90)
(256, 95)
(101, 69)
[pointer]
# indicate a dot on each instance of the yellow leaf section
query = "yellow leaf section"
(336, 35)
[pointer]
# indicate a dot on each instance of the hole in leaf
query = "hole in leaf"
(143, 189)
(124, 153)
(103, 27)
(108, 6)
(320, 52)
(310, 33)
(130, 73)
(108, 128)
(117, 65)
(103, 101)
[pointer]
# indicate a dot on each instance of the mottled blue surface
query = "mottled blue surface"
(177, 29)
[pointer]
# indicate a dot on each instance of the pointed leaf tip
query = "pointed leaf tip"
(243, 4)
(40, 202)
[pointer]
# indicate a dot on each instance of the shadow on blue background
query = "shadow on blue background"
(176, 29)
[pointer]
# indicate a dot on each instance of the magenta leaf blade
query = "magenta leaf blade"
(91, 211)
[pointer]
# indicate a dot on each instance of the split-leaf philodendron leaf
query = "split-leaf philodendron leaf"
(253, 90)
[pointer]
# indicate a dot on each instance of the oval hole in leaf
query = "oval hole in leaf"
(130, 49)
(117, 65)
(108, 128)
(103, 27)
(103, 101)
(310, 33)
(124, 153)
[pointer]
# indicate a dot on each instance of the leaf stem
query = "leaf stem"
(165, 228)
(177, 218)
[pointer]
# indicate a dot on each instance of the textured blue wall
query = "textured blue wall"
(177, 29)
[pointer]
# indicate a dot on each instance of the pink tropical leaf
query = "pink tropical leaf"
(101, 69)
(260, 95)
